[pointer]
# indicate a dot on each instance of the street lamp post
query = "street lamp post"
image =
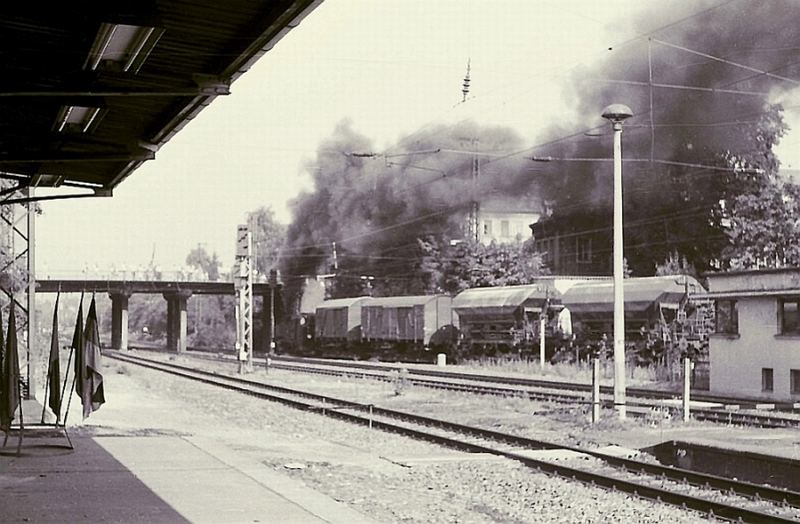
(616, 114)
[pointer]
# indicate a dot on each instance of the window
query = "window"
(766, 379)
(727, 317)
(545, 248)
(789, 315)
(794, 381)
(583, 249)
(487, 228)
(504, 232)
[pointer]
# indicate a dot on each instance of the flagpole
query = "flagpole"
(53, 365)
(78, 333)
(64, 388)
(46, 384)
(69, 401)
(21, 419)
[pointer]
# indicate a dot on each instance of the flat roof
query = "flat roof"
(762, 271)
(748, 293)
(92, 91)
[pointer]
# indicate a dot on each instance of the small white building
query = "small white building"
(755, 350)
(506, 220)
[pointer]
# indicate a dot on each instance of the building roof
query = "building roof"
(753, 282)
(524, 204)
(639, 293)
(92, 90)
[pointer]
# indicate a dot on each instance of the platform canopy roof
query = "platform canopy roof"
(92, 89)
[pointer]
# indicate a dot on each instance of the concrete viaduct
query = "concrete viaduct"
(176, 294)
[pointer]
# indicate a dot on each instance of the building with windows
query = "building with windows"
(577, 245)
(755, 349)
(503, 221)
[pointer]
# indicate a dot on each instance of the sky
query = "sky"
(390, 67)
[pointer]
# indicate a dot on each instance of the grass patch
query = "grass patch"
(566, 371)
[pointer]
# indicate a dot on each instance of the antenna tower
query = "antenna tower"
(465, 85)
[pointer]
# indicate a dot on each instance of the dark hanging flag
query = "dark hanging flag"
(54, 367)
(10, 393)
(77, 348)
(2, 360)
(92, 395)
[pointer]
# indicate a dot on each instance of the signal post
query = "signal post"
(243, 284)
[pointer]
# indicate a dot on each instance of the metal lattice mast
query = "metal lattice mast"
(474, 231)
(243, 281)
(17, 267)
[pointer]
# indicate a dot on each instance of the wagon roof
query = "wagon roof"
(640, 293)
(409, 301)
(341, 302)
(510, 297)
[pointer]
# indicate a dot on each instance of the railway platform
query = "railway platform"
(121, 473)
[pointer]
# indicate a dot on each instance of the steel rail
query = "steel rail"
(756, 491)
(718, 415)
(711, 415)
(577, 386)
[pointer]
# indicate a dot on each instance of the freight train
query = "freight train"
(508, 320)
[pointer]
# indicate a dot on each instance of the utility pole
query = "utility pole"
(273, 283)
(473, 233)
(473, 216)
(543, 329)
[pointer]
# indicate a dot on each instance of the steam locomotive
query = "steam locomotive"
(487, 321)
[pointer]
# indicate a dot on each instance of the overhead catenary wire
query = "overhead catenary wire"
(435, 122)
(500, 156)
(728, 62)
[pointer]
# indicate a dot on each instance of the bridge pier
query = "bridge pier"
(176, 319)
(119, 320)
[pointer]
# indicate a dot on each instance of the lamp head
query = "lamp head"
(617, 113)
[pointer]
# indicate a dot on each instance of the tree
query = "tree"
(451, 269)
(675, 264)
(210, 318)
(200, 259)
(147, 317)
(684, 208)
(765, 227)
(211, 321)
(269, 235)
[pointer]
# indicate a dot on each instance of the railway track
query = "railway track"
(573, 386)
(709, 494)
(641, 402)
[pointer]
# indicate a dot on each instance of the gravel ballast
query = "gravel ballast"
(388, 477)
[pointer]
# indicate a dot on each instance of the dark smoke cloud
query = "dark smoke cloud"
(354, 197)
(761, 35)
(381, 205)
